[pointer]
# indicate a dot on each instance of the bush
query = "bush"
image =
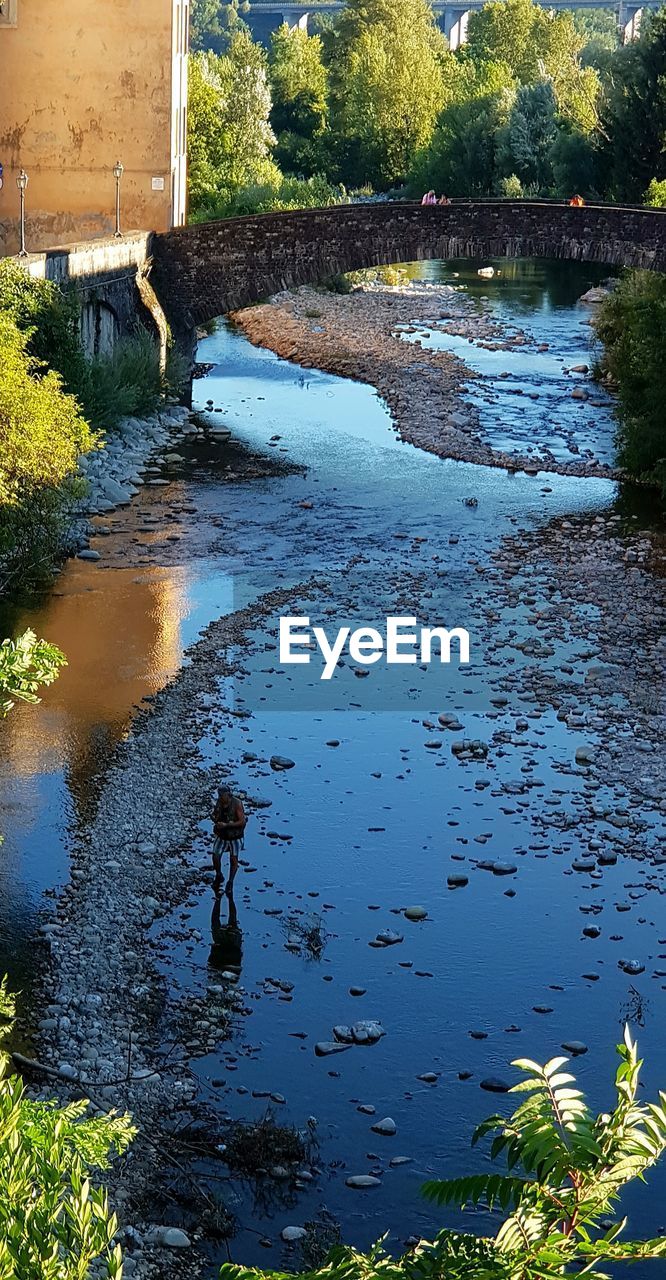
(48, 317)
(26, 665)
(287, 193)
(566, 1169)
(128, 382)
(42, 434)
(511, 188)
(53, 1223)
(632, 327)
(655, 196)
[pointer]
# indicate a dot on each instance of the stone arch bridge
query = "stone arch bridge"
(209, 269)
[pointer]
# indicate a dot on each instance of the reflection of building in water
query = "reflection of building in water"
(121, 633)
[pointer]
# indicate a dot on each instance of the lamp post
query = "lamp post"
(118, 170)
(22, 182)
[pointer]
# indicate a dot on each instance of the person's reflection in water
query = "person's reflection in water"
(226, 952)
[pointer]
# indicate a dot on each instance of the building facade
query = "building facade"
(85, 84)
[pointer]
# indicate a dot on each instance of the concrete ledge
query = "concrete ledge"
(91, 261)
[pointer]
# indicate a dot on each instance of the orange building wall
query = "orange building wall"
(84, 83)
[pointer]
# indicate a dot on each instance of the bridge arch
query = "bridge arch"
(209, 269)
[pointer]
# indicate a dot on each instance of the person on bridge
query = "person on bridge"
(429, 198)
(576, 202)
(443, 200)
(229, 823)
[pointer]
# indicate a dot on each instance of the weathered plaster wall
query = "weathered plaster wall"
(84, 84)
(206, 270)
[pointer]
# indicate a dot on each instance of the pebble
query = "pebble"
(361, 1181)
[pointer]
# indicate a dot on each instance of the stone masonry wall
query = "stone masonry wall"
(209, 269)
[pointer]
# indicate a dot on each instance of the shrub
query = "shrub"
(53, 1223)
(127, 382)
(655, 196)
(42, 434)
(566, 1169)
(632, 327)
(49, 318)
(269, 197)
(511, 188)
(26, 665)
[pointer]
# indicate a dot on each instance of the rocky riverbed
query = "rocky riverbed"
(437, 878)
(362, 335)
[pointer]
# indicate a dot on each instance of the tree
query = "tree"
(633, 116)
(229, 135)
(299, 88)
(537, 44)
(213, 23)
(573, 159)
(388, 67)
(524, 144)
(461, 159)
(566, 1168)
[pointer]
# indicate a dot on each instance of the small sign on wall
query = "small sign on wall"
(158, 184)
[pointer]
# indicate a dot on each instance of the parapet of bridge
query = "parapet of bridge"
(453, 16)
(207, 270)
(109, 280)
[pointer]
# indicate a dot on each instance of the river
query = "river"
(377, 812)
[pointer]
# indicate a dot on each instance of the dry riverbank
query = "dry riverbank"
(358, 336)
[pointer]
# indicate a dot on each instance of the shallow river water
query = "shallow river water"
(358, 830)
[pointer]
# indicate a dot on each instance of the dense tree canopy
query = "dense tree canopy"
(389, 72)
(633, 114)
(299, 86)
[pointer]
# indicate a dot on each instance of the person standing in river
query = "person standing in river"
(229, 823)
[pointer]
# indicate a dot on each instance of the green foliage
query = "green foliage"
(126, 383)
(512, 188)
(524, 144)
(462, 157)
(26, 665)
(632, 327)
(633, 114)
(573, 161)
(285, 193)
(229, 133)
(655, 196)
(48, 317)
(53, 1222)
(42, 434)
(566, 1168)
(388, 67)
(299, 87)
(213, 23)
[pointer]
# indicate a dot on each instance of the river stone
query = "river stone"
(632, 966)
(368, 1032)
(585, 755)
(359, 1181)
(169, 1237)
(343, 1035)
(492, 1084)
(583, 864)
(388, 938)
(280, 763)
(575, 1047)
(457, 882)
(387, 1127)
(88, 554)
(415, 913)
(324, 1048)
(291, 1234)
